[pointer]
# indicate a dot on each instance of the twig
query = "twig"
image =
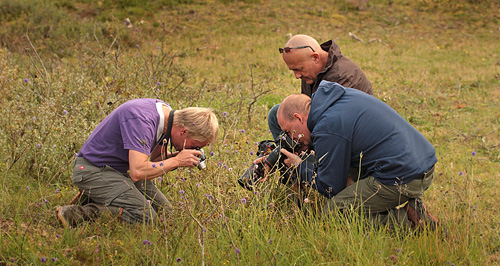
(356, 37)
(377, 40)
(41, 62)
(370, 41)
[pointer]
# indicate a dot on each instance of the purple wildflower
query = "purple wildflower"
(27, 188)
(161, 164)
(473, 153)
(159, 83)
(137, 46)
(182, 192)
(461, 173)
(242, 131)
(210, 197)
(212, 153)
(251, 152)
(178, 260)
(243, 201)
(224, 114)
(39, 145)
(153, 165)
(160, 179)
(26, 80)
(270, 241)
(43, 259)
(65, 112)
(237, 250)
(54, 259)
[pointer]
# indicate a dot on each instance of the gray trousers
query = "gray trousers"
(379, 200)
(116, 193)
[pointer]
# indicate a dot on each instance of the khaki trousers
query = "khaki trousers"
(116, 193)
(370, 196)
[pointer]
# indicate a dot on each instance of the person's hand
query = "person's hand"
(292, 160)
(267, 169)
(187, 158)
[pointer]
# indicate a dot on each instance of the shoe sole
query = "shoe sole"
(61, 218)
(421, 210)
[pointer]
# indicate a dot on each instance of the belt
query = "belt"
(427, 173)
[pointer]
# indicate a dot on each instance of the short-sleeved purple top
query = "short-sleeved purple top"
(131, 126)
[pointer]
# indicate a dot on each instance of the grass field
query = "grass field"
(65, 65)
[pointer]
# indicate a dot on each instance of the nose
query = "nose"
(297, 74)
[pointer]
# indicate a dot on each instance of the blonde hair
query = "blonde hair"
(295, 103)
(201, 123)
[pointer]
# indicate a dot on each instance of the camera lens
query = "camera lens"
(202, 165)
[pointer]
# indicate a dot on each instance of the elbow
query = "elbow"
(136, 175)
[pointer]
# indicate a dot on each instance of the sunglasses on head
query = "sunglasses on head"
(287, 49)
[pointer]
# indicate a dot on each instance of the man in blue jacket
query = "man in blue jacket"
(349, 129)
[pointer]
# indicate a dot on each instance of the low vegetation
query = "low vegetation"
(65, 65)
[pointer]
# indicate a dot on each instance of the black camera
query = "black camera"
(202, 157)
(272, 150)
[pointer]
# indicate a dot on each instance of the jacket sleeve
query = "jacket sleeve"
(333, 156)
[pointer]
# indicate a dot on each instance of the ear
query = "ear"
(315, 56)
(183, 131)
(297, 116)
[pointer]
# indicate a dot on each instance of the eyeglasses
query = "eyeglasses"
(287, 49)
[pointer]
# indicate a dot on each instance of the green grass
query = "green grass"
(437, 63)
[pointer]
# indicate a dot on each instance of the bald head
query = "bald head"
(292, 118)
(303, 40)
(306, 62)
(295, 103)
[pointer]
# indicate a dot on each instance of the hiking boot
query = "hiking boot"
(62, 215)
(419, 215)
